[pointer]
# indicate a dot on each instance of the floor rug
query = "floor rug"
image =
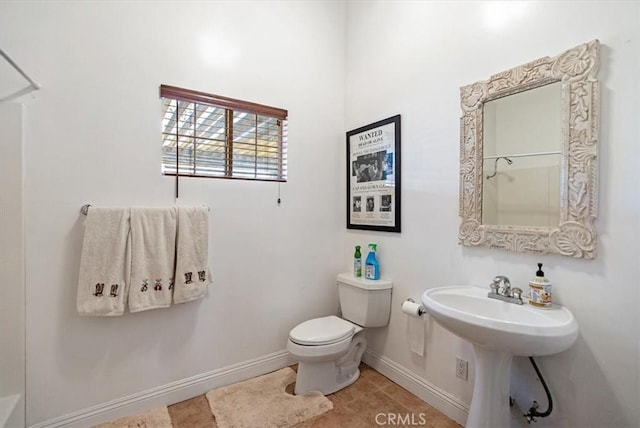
(154, 418)
(263, 402)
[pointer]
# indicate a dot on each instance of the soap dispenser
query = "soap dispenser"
(540, 290)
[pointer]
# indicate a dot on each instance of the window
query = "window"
(206, 135)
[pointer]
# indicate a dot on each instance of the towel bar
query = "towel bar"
(85, 208)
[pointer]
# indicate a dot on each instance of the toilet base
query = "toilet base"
(332, 375)
(322, 377)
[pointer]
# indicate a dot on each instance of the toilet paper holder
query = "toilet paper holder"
(421, 310)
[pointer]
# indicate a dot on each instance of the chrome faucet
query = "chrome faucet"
(506, 289)
(506, 294)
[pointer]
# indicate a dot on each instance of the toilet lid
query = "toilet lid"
(321, 331)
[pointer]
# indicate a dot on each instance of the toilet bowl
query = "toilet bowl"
(329, 349)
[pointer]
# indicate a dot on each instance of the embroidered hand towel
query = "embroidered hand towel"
(192, 258)
(153, 246)
(102, 282)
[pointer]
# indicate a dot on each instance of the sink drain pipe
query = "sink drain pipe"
(533, 411)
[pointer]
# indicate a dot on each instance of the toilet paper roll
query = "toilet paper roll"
(415, 327)
(411, 308)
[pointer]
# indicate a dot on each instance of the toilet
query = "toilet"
(329, 349)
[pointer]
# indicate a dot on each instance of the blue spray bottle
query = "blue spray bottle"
(371, 266)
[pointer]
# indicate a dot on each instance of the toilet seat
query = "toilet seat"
(322, 331)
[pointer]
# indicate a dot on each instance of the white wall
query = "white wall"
(411, 58)
(93, 136)
(12, 284)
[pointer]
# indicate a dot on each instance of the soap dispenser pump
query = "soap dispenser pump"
(540, 290)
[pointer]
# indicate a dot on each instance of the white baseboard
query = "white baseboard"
(170, 393)
(183, 389)
(434, 396)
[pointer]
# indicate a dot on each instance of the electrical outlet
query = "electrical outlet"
(461, 368)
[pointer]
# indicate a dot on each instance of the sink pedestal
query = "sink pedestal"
(490, 401)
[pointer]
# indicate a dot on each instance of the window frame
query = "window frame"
(230, 105)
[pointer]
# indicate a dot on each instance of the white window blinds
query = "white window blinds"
(206, 135)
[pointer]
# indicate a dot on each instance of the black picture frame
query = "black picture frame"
(373, 176)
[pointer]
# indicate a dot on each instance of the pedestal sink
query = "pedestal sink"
(498, 330)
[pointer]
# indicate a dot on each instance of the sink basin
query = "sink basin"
(523, 330)
(498, 330)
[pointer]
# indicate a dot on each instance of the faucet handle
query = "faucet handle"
(494, 287)
(516, 292)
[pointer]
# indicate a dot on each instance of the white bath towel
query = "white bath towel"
(192, 257)
(153, 245)
(102, 283)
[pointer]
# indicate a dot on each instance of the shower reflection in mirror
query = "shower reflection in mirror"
(523, 139)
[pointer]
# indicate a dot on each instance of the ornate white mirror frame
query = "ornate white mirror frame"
(575, 236)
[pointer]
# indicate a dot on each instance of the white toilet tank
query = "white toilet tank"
(363, 301)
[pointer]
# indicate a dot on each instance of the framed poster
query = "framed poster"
(373, 176)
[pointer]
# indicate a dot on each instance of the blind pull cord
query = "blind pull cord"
(279, 200)
(178, 153)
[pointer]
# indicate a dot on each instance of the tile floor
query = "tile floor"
(373, 400)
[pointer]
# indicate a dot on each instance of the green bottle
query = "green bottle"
(357, 263)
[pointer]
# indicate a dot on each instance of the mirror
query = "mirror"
(521, 158)
(528, 156)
